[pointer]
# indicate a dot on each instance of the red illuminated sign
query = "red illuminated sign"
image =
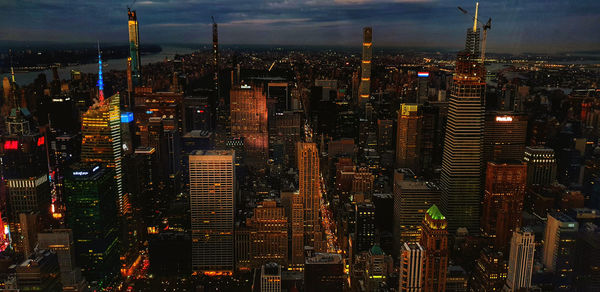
(11, 145)
(40, 141)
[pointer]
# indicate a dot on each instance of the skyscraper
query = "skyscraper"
(212, 193)
(249, 121)
(24, 168)
(408, 138)
(269, 235)
(412, 199)
(520, 261)
(412, 263)
(364, 89)
(434, 239)
(61, 242)
(297, 226)
(101, 140)
(541, 165)
(503, 201)
(270, 278)
(462, 158)
(92, 215)
(324, 272)
(40, 272)
(134, 47)
(308, 168)
(504, 136)
(215, 36)
(559, 249)
(364, 232)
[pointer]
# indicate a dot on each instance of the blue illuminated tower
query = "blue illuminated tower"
(100, 83)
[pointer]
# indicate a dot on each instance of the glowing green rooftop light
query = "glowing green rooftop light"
(435, 213)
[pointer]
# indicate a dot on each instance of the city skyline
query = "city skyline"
(517, 27)
(272, 168)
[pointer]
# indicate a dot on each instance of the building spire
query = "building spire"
(475, 19)
(100, 81)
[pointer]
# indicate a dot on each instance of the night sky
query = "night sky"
(517, 25)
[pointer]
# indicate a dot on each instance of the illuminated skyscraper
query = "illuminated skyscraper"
(212, 196)
(101, 140)
(503, 201)
(412, 199)
(490, 271)
(462, 158)
(269, 236)
(364, 230)
(216, 58)
(520, 261)
(408, 138)
(412, 263)
(134, 47)
(92, 215)
(559, 249)
(308, 168)
(504, 136)
(24, 168)
(249, 121)
(297, 218)
(434, 239)
(364, 89)
(270, 278)
(541, 165)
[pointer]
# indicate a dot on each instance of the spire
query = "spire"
(475, 19)
(100, 81)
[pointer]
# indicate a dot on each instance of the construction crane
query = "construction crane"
(486, 27)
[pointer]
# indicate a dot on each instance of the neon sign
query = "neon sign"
(126, 117)
(423, 74)
(40, 141)
(504, 119)
(11, 145)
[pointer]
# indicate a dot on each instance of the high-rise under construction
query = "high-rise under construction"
(462, 159)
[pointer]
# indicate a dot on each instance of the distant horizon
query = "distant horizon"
(520, 26)
(5, 45)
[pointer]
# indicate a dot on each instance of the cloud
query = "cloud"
(265, 21)
(517, 25)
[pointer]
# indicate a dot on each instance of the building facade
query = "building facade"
(212, 194)
(364, 89)
(412, 263)
(503, 201)
(462, 158)
(101, 140)
(434, 240)
(541, 165)
(408, 137)
(520, 260)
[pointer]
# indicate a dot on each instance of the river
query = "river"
(25, 78)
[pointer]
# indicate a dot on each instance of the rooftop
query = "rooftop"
(435, 213)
